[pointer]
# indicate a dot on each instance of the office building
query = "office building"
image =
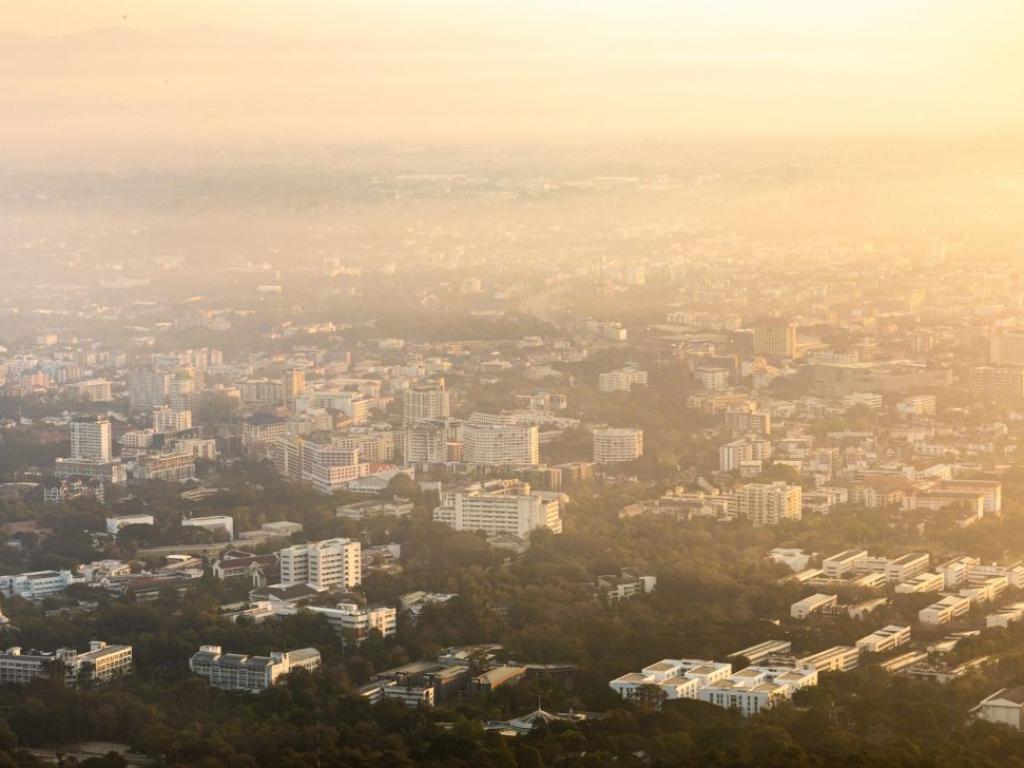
(1006, 347)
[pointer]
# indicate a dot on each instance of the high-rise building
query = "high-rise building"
(613, 444)
(294, 384)
(91, 439)
(1006, 347)
(148, 389)
(491, 440)
(322, 564)
(769, 503)
(775, 337)
(430, 442)
(167, 419)
(426, 402)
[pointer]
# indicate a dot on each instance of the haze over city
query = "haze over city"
(511, 385)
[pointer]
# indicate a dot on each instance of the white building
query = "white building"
(322, 564)
(885, 639)
(1004, 706)
(494, 444)
(769, 503)
(236, 672)
(945, 610)
(167, 419)
(840, 658)
(354, 622)
(732, 455)
(212, 523)
(756, 689)
(100, 665)
(621, 379)
(426, 402)
(35, 585)
(612, 444)
(674, 678)
(923, 582)
(91, 440)
(115, 524)
(801, 609)
(514, 511)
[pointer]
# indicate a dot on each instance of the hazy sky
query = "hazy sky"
(454, 70)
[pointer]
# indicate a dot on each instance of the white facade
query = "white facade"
(498, 512)
(167, 419)
(236, 672)
(804, 608)
(212, 523)
(945, 610)
(621, 380)
(355, 622)
(885, 639)
(322, 564)
(498, 444)
(618, 444)
(91, 440)
(769, 503)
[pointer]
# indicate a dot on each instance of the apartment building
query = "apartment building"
(733, 455)
(769, 503)
(613, 445)
(167, 419)
(91, 439)
(748, 420)
(493, 443)
(426, 402)
(322, 564)
(676, 678)
(237, 672)
(1006, 347)
(775, 338)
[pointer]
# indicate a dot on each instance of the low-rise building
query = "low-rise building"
(237, 672)
(1005, 706)
(887, 638)
(813, 604)
(354, 622)
(840, 658)
(945, 610)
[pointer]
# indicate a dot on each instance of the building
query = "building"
(751, 421)
(211, 523)
(91, 440)
(260, 392)
(426, 402)
(167, 419)
(35, 585)
(616, 444)
(148, 389)
(755, 654)
(843, 564)
(294, 384)
(1006, 347)
(621, 379)
(1004, 706)
(921, 583)
(432, 441)
(236, 672)
(100, 665)
(259, 570)
(813, 604)
(733, 455)
(887, 638)
(670, 679)
(354, 622)
(630, 582)
(756, 689)
(493, 444)
(93, 390)
(504, 510)
(112, 472)
(769, 503)
(332, 563)
(775, 338)
(840, 658)
(945, 610)
(168, 467)
(115, 524)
